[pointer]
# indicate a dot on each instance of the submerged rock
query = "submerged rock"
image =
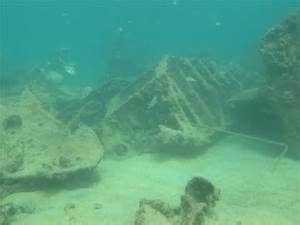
(44, 149)
(281, 52)
(7, 211)
(12, 122)
(169, 109)
(251, 110)
(199, 198)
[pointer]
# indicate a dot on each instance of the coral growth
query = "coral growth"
(281, 52)
(166, 109)
(199, 198)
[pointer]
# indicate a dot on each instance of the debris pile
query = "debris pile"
(199, 198)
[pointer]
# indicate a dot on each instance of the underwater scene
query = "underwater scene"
(150, 112)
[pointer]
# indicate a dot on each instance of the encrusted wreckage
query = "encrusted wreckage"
(281, 53)
(35, 147)
(199, 199)
(171, 108)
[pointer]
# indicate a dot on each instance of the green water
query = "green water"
(106, 103)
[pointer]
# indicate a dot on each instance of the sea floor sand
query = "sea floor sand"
(255, 190)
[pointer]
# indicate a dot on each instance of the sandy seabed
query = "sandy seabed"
(256, 189)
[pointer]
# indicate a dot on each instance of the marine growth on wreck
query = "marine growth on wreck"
(141, 132)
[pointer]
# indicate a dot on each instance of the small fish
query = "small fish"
(218, 24)
(70, 69)
(190, 79)
(64, 14)
(54, 76)
(152, 103)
